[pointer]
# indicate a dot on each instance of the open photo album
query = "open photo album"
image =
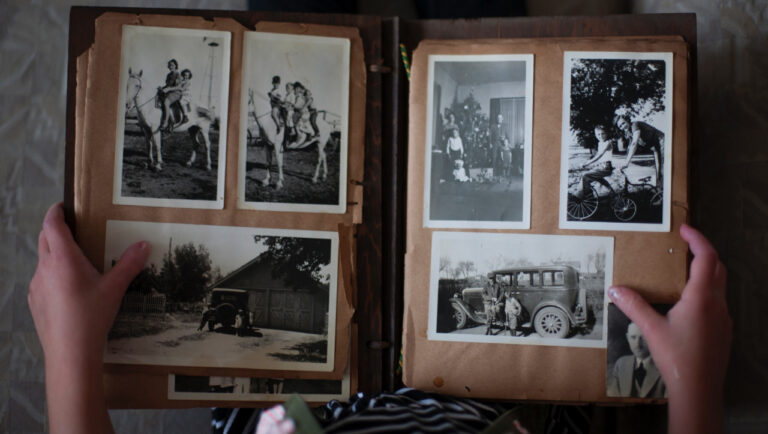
(316, 214)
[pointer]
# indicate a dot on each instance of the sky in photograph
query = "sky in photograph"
(320, 64)
(229, 247)
(489, 251)
(149, 50)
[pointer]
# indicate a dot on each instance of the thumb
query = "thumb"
(652, 324)
(127, 268)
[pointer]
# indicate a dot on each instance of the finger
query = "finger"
(721, 278)
(116, 280)
(57, 232)
(704, 260)
(652, 324)
(43, 249)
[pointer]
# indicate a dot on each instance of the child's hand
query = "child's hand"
(73, 306)
(691, 345)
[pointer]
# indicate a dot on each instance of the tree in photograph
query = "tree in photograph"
(465, 269)
(298, 261)
(186, 273)
(445, 266)
(146, 281)
(602, 88)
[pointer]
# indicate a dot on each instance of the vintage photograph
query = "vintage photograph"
(183, 387)
(630, 371)
(519, 289)
(294, 123)
(616, 162)
(478, 151)
(216, 296)
(172, 117)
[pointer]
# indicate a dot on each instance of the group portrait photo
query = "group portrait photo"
(172, 117)
(616, 141)
(294, 123)
(479, 120)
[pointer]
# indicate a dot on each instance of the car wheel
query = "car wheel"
(551, 322)
(460, 318)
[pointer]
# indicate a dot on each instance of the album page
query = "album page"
(540, 172)
(248, 193)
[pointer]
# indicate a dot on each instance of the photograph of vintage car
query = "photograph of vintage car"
(546, 299)
(226, 297)
(526, 289)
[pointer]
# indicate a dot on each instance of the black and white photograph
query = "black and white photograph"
(218, 296)
(185, 387)
(519, 289)
(478, 150)
(630, 370)
(294, 123)
(172, 117)
(616, 162)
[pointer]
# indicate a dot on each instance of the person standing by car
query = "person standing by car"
(208, 317)
(512, 309)
(493, 300)
(240, 323)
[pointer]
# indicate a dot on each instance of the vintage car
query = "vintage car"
(550, 296)
(226, 303)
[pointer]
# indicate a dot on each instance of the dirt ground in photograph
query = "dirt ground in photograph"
(175, 180)
(180, 339)
(298, 169)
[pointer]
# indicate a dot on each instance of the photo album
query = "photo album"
(325, 195)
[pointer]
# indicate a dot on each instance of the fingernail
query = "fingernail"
(613, 293)
(144, 246)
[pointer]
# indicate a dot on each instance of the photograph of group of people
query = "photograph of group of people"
(172, 120)
(616, 141)
(479, 136)
(293, 125)
(519, 288)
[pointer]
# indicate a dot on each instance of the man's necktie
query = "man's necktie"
(640, 374)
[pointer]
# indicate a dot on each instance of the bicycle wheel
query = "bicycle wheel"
(624, 208)
(584, 207)
(656, 198)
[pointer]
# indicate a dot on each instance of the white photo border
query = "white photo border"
(247, 396)
(137, 231)
(525, 223)
(664, 226)
(434, 335)
(223, 103)
(341, 206)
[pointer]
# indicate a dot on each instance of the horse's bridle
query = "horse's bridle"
(135, 103)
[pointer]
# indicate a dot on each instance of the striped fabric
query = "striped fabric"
(409, 410)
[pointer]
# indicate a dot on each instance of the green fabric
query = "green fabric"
(298, 410)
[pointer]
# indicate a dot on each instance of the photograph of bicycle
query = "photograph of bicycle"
(616, 141)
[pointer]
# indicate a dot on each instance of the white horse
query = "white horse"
(267, 131)
(150, 118)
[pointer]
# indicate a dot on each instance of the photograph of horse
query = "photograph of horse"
(172, 107)
(293, 142)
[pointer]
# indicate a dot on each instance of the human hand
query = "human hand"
(72, 304)
(691, 345)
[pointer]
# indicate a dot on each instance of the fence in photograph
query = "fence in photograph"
(143, 303)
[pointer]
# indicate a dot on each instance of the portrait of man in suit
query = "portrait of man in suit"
(632, 375)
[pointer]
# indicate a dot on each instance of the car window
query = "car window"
(523, 279)
(536, 278)
(505, 279)
(552, 278)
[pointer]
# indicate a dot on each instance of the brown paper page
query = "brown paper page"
(652, 262)
(95, 149)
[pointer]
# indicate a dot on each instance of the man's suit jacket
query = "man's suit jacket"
(620, 380)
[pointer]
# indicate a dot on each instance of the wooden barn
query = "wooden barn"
(270, 301)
